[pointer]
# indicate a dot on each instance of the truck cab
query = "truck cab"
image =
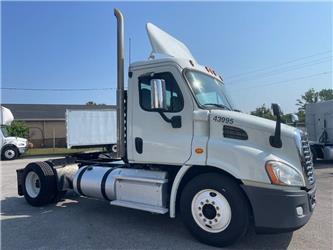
(186, 151)
(11, 147)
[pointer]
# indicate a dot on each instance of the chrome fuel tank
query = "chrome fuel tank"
(122, 184)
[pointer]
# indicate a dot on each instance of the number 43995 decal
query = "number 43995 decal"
(223, 119)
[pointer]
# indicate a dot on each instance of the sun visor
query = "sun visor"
(163, 43)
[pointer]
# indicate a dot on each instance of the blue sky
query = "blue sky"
(267, 52)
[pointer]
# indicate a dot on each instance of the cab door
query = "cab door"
(152, 138)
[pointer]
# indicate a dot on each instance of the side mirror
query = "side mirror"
(158, 94)
(276, 109)
(275, 140)
(293, 118)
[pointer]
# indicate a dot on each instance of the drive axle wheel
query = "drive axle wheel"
(215, 209)
(39, 184)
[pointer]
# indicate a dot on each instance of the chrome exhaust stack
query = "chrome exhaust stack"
(120, 85)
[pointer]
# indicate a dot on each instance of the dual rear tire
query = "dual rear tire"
(215, 209)
(39, 184)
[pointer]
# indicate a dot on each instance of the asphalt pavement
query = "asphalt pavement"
(83, 223)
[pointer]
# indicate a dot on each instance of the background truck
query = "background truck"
(11, 147)
(319, 125)
(182, 149)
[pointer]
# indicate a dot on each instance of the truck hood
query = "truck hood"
(250, 135)
(18, 141)
(258, 123)
(257, 129)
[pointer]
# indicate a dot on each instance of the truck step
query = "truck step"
(140, 206)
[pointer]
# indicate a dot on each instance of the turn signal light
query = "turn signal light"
(199, 150)
(272, 176)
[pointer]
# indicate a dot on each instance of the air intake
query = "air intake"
(234, 133)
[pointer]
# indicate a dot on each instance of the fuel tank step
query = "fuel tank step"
(140, 206)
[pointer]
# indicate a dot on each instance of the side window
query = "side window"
(174, 98)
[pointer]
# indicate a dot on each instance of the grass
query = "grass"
(58, 151)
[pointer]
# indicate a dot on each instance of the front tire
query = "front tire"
(9, 153)
(214, 209)
(39, 184)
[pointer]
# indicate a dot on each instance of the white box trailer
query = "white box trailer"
(91, 128)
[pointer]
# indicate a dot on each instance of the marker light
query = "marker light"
(199, 150)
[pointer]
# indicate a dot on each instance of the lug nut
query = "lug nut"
(210, 222)
(218, 215)
(199, 208)
(207, 201)
(215, 220)
(200, 215)
(213, 202)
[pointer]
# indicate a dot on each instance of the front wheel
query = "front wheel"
(214, 209)
(9, 153)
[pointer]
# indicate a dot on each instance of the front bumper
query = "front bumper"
(22, 150)
(277, 211)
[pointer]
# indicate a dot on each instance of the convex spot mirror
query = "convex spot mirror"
(293, 118)
(158, 94)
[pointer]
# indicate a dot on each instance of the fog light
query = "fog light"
(299, 211)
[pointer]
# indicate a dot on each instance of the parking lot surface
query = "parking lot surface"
(83, 223)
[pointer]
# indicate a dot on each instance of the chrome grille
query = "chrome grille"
(306, 159)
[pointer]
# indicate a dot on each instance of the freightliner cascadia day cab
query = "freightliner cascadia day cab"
(185, 151)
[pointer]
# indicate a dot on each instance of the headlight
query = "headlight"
(282, 174)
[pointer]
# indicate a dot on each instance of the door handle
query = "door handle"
(138, 145)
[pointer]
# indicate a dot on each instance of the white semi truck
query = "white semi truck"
(319, 125)
(185, 151)
(11, 146)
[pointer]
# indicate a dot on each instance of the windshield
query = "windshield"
(208, 91)
(4, 131)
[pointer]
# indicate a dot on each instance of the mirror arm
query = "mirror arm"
(175, 121)
(165, 118)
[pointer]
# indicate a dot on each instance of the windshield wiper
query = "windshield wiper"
(217, 105)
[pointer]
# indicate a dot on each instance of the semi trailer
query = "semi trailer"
(319, 125)
(182, 150)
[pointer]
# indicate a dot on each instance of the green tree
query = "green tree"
(263, 112)
(326, 94)
(18, 129)
(310, 96)
(91, 103)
